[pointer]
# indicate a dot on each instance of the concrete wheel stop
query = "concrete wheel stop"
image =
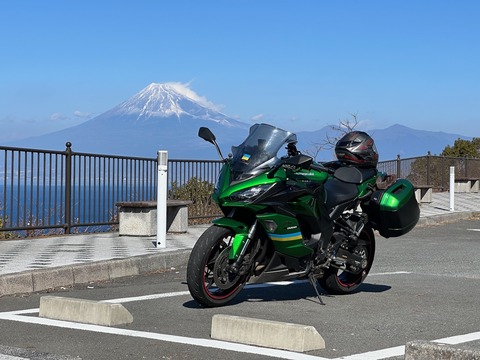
(426, 350)
(266, 333)
(84, 311)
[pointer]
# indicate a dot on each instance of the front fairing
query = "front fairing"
(226, 187)
(249, 165)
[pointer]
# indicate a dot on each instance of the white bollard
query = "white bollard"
(452, 188)
(162, 199)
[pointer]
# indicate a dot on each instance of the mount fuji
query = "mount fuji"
(160, 117)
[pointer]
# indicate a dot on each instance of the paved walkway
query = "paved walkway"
(41, 263)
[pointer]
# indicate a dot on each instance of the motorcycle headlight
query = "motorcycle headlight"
(250, 193)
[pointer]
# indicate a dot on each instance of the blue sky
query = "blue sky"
(299, 64)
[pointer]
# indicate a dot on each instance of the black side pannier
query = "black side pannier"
(393, 211)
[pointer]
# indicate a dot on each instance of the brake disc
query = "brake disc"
(223, 278)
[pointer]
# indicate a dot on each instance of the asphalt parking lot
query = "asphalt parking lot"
(423, 286)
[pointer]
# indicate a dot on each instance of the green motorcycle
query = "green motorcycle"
(292, 218)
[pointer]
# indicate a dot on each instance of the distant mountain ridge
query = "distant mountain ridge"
(167, 117)
(392, 141)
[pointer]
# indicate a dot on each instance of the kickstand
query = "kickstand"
(313, 281)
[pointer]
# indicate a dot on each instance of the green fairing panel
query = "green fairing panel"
(237, 226)
(241, 234)
(237, 246)
(284, 231)
(306, 205)
(308, 175)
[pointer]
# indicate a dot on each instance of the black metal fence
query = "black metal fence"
(48, 192)
(430, 170)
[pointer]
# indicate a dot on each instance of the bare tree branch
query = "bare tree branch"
(344, 126)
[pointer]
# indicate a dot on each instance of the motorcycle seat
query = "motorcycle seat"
(354, 175)
(338, 192)
(342, 188)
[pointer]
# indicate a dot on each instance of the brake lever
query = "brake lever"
(272, 172)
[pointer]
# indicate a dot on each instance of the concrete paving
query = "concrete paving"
(37, 264)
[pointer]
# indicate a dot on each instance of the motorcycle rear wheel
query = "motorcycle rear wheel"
(339, 282)
(208, 280)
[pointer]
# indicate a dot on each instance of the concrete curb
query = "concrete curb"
(271, 334)
(425, 350)
(84, 311)
(40, 280)
(444, 218)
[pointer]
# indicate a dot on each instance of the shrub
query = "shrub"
(200, 193)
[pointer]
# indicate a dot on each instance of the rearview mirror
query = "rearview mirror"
(206, 135)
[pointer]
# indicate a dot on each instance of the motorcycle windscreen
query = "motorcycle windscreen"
(259, 150)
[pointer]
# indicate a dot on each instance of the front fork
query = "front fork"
(238, 263)
(241, 241)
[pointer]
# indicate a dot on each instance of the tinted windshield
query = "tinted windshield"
(259, 150)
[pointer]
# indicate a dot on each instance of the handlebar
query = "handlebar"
(302, 162)
(320, 167)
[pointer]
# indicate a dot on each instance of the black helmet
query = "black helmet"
(357, 148)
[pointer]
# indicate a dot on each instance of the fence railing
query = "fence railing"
(47, 192)
(431, 170)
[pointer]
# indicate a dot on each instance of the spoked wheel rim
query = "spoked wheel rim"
(350, 279)
(218, 282)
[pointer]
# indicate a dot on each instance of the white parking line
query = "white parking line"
(10, 357)
(248, 286)
(376, 355)
(281, 354)
(146, 297)
(183, 293)
(460, 339)
(390, 273)
(400, 350)
(216, 344)
(20, 316)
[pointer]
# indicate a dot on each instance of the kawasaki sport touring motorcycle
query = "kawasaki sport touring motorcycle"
(287, 218)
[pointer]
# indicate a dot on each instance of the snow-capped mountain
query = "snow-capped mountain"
(169, 100)
(159, 117)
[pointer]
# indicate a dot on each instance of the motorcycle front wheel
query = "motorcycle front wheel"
(208, 279)
(339, 282)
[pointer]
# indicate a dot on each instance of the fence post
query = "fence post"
(452, 188)
(68, 187)
(428, 168)
(399, 167)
